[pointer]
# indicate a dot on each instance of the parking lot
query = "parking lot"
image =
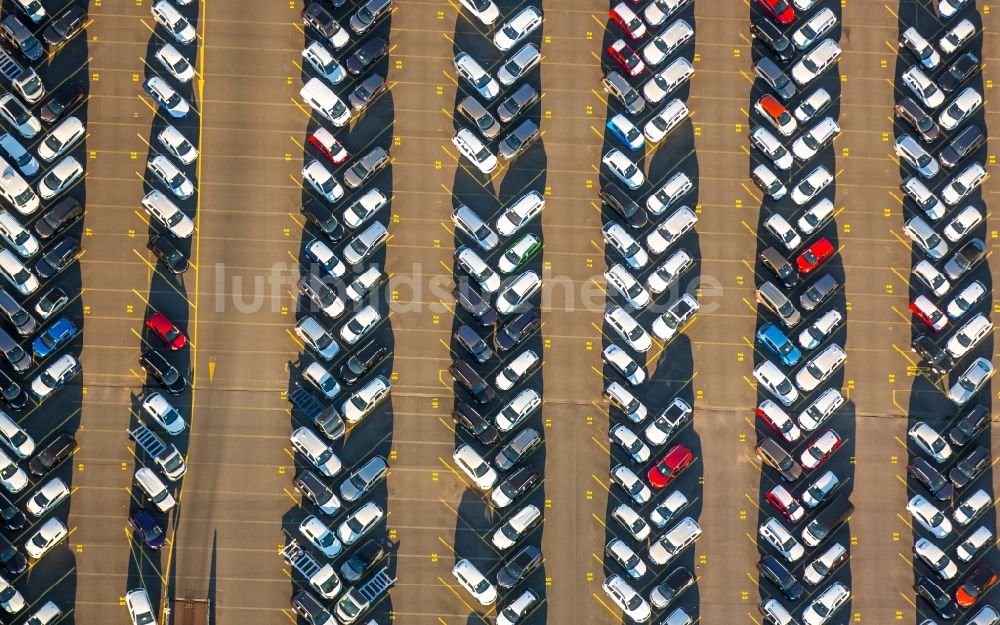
(238, 304)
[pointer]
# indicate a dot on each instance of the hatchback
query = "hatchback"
(516, 103)
(961, 108)
(165, 96)
(363, 479)
(962, 145)
(967, 181)
(365, 167)
(777, 115)
(475, 150)
(366, 92)
(517, 28)
(366, 399)
(480, 116)
(470, 69)
(923, 87)
(520, 212)
(958, 72)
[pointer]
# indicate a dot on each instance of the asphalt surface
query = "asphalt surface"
(237, 496)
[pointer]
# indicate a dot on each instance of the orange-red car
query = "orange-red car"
(975, 585)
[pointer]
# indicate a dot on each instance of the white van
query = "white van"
(155, 489)
(324, 101)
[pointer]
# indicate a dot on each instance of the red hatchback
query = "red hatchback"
(164, 328)
(975, 585)
(925, 310)
(664, 471)
(327, 145)
(627, 58)
(780, 10)
(785, 503)
(626, 18)
(815, 255)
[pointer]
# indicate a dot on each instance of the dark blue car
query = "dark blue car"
(145, 528)
(777, 343)
(53, 337)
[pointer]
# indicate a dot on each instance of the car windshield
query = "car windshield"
(173, 99)
(365, 16)
(174, 463)
(178, 26)
(181, 65)
(170, 376)
(821, 609)
(486, 122)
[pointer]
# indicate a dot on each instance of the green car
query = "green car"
(519, 253)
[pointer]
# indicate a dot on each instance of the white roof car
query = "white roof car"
(909, 149)
(471, 579)
(620, 397)
(631, 483)
(17, 236)
(26, 124)
(519, 213)
(671, 229)
(762, 139)
(364, 207)
(625, 284)
(317, 452)
(626, 558)
(485, 11)
(320, 536)
(12, 148)
(624, 364)
(935, 558)
(473, 264)
(165, 415)
(971, 381)
(479, 78)
(817, 490)
(517, 609)
(140, 608)
(517, 292)
(628, 329)
(925, 199)
(320, 253)
(364, 284)
(815, 62)
(776, 382)
(177, 145)
(47, 497)
(956, 36)
(813, 335)
(821, 409)
(667, 80)
(812, 105)
(920, 47)
(780, 118)
(923, 87)
(930, 441)
(15, 438)
(925, 237)
(466, 220)
(175, 63)
(630, 442)
(783, 231)
(627, 599)
(666, 43)
(167, 97)
(315, 336)
(515, 369)
(961, 108)
(967, 510)
(810, 186)
(621, 241)
(515, 526)
(323, 380)
(962, 223)
(814, 28)
(13, 477)
(322, 180)
(932, 278)
(60, 177)
(515, 29)
(764, 178)
(672, 321)
(818, 451)
(929, 517)
(477, 468)
(475, 150)
(948, 8)
(365, 399)
(325, 64)
(667, 195)
(163, 210)
(171, 176)
(356, 525)
(826, 604)
(45, 538)
(775, 534)
(969, 335)
(669, 271)
(324, 101)
(815, 139)
(667, 509)
(820, 367)
(965, 299)
(16, 190)
(973, 543)
(963, 184)
(11, 600)
(813, 218)
(817, 570)
(168, 16)
(360, 324)
(666, 120)
(623, 168)
(658, 11)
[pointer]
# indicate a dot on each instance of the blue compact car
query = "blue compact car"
(780, 345)
(53, 337)
(626, 131)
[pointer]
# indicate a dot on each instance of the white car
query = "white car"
(932, 277)
(140, 608)
(810, 186)
(630, 442)
(175, 63)
(815, 62)
(632, 521)
(473, 465)
(669, 271)
(678, 313)
(928, 440)
(317, 375)
(971, 381)
(764, 178)
(924, 198)
(969, 335)
(821, 409)
(624, 364)
(923, 87)
(820, 367)
(948, 8)
(15, 438)
(963, 184)
(61, 138)
(34, 10)
(920, 47)
(669, 193)
(776, 535)
(517, 28)
(632, 484)
(324, 63)
(776, 382)
(783, 231)
(359, 523)
(625, 284)
(167, 97)
(481, 80)
(666, 120)
(475, 150)
(668, 509)
(812, 105)
(26, 124)
(60, 177)
(815, 216)
(316, 451)
(513, 296)
(929, 517)
(627, 599)
(45, 538)
(177, 145)
(826, 604)
(165, 415)
(962, 223)
(817, 570)
(360, 324)
(974, 543)
(661, 46)
(515, 369)
(13, 477)
(626, 557)
(815, 139)
(626, 327)
(814, 28)
(171, 176)
(762, 139)
(925, 238)
(168, 16)
(515, 527)
(320, 536)
(364, 400)
(17, 236)
(364, 208)
(965, 299)
(671, 229)
(968, 510)
(12, 148)
(908, 149)
(11, 600)
(520, 213)
(617, 237)
(475, 582)
(320, 253)
(474, 265)
(484, 10)
(961, 108)
(813, 335)
(322, 180)
(957, 36)
(658, 12)
(168, 214)
(619, 397)
(623, 168)
(935, 558)
(47, 497)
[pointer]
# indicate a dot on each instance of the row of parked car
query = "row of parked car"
(496, 344)
(799, 338)
(940, 142)
(339, 547)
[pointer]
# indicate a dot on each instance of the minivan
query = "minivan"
(19, 37)
(615, 84)
(666, 81)
(154, 489)
(365, 243)
(473, 343)
(310, 608)
(516, 330)
(671, 191)
(18, 316)
(324, 101)
(774, 299)
(515, 104)
(479, 115)
(776, 613)
(829, 518)
(317, 17)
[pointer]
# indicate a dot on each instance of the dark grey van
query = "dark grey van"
(17, 315)
(20, 38)
(829, 518)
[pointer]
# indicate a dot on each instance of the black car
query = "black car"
(12, 560)
(970, 467)
(12, 394)
(958, 72)
(168, 254)
(65, 26)
(58, 218)
(518, 448)
(319, 215)
(476, 424)
(931, 478)
(472, 342)
(64, 99)
(519, 566)
(362, 361)
(58, 449)
(941, 601)
(962, 145)
(933, 355)
(970, 424)
(766, 31)
(776, 262)
(330, 423)
(58, 258)
(310, 608)
(10, 517)
(616, 198)
(362, 560)
(923, 123)
(771, 569)
(516, 330)
(156, 365)
(367, 53)
(472, 302)
(363, 95)
(518, 483)
(466, 376)
(675, 583)
(145, 527)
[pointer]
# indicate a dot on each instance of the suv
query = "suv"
(512, 333)
(472, 302)
(518, 140)
(465, 375)
(772, 298)
(317, 17)
(769, 71)
(779, 266)
(775, 456)
(616, 198)
(477, 425)
(615, 84)
(473, 343)
(313, 489)
(962, 145)
(466, 220)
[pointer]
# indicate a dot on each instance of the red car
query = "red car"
(975, 585)
(785, 503)
(814, 255)
(778, 420)
(780, 10)
(664, 471)
(164, 328)
(627, 58)
(626, 18)
(327, 145)
(925, 310)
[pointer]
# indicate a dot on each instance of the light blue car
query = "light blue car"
(626, 131)
(779, 344)
(53, 337)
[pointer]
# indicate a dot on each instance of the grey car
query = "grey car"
(363, 479)
(365, 243)
(615, 84)
(481, 118)
(363, 95)
(818, 291)
(773, 76)
(516, 103)
(520, 447)
(365, 167)
(519, 140)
